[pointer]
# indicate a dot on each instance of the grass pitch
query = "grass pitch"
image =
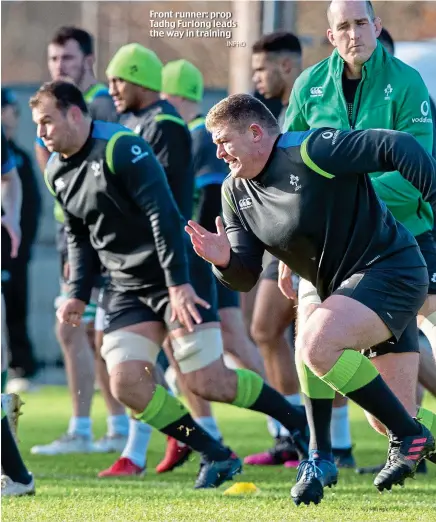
(68, 490)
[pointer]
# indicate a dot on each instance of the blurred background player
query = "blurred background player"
(11, 198)
(23, 363)
(15, 479)
(136, 95)
(70, 55)
(182, 86)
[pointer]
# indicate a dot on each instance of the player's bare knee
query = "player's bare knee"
(132, 384)
(267, 332)
(118, 385)
(317, 348)
(321, 338)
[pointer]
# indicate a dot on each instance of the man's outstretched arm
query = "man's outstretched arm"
(332, 153)
(246, 251)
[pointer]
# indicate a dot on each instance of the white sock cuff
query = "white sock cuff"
(118, 424)
(80, 426)
(340, 428)
(273, 426)
(209, 424)
(139, 426)
(340, 413)
(137, 442)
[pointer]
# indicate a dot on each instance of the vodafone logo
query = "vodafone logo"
(425, 111)
(425, 108)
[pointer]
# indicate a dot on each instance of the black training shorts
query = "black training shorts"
(125, 307)
(271, 270)
(394, 288)
(227, 298)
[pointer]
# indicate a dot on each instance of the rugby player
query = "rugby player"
(313, 206)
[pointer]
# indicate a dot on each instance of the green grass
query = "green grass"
(68, 490)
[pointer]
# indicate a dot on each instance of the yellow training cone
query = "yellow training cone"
(242, 488)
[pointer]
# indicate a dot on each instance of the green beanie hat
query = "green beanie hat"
(136, 64)
(182, 78)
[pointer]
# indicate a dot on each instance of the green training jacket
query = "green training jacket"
(391, 95)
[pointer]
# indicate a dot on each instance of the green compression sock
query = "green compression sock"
(355, 376)
(249, 387)
(350, 372)
(312, 385)
(163, 409)
(168, 415)
(254, 394)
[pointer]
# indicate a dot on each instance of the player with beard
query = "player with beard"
(70, 55)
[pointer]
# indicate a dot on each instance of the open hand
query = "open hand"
(214, 248)
(183, 300)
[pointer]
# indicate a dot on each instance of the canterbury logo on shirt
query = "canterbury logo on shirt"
(245, 203)
(316, 92)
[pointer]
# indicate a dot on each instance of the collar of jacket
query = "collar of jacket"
(376, 62)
